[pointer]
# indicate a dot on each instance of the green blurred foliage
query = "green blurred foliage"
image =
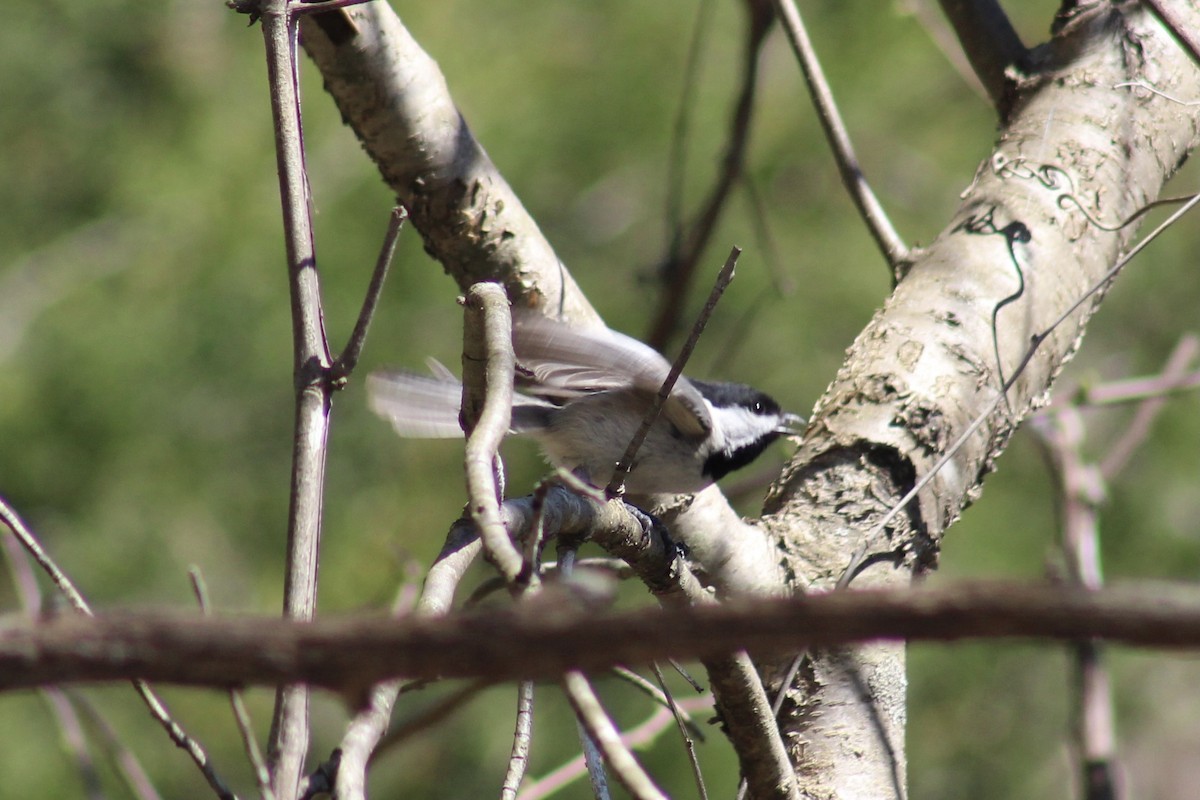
(145, 395)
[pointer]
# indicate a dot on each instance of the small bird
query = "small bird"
(584, 393)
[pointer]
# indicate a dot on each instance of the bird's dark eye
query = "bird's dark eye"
(758, 407)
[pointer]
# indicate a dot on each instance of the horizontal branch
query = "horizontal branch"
(555, 632)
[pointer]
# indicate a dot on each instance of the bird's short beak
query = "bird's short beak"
(792, 425)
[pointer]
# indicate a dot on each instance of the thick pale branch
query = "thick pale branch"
(1043, 222)
(395, 98)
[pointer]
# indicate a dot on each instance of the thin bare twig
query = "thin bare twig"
(518, 761)
(430, 717)
(593, 758)
(600, 729)
(1131, 390)
(70, 731)
(688, 744)
(687, 247)
(639, 736)
(155, 705)
(74, 740)
(32, 546)
(659, 696)
(751, 727)
(241, 714)
(1080, 492)
(677, 155)
(1179, 362)
(940, 32)
(869, 207)
(348, 360)
(133, 774)
(625, 464)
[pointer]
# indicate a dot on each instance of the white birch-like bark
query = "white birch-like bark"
(1080, 155)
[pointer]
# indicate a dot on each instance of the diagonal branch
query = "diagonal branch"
(869, 207)
(151, 699)
(991, 45)
(395, 98)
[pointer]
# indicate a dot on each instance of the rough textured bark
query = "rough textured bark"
(1039, 225)
(395, 98)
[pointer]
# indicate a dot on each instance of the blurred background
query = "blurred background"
(145, 362)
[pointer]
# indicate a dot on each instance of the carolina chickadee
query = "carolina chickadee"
(586, 393)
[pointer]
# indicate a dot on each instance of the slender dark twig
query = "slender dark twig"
(688, 743)
(990, 43)
(241, 714)
(886, 237)
(153, 702)
(677, 156)
(687, 247)
(428, 718)
(625, 464)
(348, 360)
(659, 696)
(940, 33)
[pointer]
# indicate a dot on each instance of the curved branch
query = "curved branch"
(488, 367)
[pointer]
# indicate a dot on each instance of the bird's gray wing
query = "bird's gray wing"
(427, 407)
(418, 406)
(568, 361)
